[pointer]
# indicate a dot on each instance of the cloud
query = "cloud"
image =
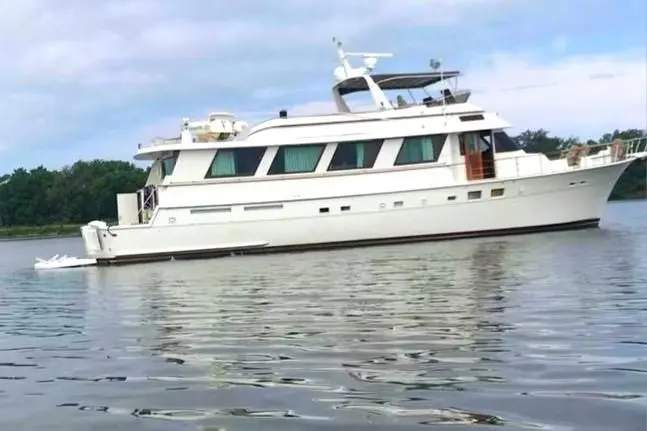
(73, 38)
(76, 72)
(81, 56)
(585, 96)
(77, 39)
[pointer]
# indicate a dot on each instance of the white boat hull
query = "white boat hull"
(567, 200)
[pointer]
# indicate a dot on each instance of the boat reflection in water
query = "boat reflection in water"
(350, 329)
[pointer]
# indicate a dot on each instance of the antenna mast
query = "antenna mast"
(435, 65)
(342, 56)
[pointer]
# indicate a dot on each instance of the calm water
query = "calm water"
(539, 332)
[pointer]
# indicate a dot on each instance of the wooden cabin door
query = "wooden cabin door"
(473, 156)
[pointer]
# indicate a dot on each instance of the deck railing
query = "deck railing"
(608, 152)
(577, 156)
(150, 203)
(636, 145)
(160, 142)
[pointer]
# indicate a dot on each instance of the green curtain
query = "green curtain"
(359, 150)
(168, 164)
(167, 167)
(300, 158)
(426, 148)
(472, 143)
(417, 149)
(224, 164)
(409, 152)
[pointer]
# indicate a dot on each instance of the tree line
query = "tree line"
(73, 195)
(86, 190)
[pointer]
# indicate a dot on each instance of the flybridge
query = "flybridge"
(351, 80)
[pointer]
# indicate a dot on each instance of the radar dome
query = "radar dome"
(370, 62)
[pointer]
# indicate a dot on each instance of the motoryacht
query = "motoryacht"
(406, 168)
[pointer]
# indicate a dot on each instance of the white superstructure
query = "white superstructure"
(402, 171)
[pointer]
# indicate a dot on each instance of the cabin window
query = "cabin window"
(475, 117)
(474, 194)
(235, 162)
(355, 155)
(296, 159)
(496, 193)
(503, 143)
(264, 207)
(168, 164)
(420, 149)
(210, 210)
(476, 142)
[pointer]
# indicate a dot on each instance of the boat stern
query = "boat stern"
(93, 234)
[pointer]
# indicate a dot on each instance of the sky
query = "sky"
(86, 79)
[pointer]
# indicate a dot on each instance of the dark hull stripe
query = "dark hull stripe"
(202, 254)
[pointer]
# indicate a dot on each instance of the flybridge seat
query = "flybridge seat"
(446, 97)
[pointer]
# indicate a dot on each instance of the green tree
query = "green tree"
(632, 183)
(538, 141)
(73, 195)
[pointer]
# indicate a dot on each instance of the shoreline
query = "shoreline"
(36, 237)
(25, 233)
